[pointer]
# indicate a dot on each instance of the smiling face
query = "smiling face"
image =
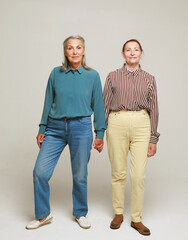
(74, 51)
(132, 53)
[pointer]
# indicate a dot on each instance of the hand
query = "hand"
(98, 144)
(40, 139)
(152, 149)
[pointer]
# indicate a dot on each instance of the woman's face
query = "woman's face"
(74, 51)
(132, 53)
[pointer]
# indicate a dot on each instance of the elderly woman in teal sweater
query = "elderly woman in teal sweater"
(73, 93)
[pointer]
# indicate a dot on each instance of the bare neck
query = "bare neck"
(75, 66)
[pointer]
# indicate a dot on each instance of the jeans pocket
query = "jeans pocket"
(113, 115)
(146, 115)
(85, 120)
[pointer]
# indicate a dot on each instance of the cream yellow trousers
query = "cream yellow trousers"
(128, 131)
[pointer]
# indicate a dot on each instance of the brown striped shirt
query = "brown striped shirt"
(134, 91)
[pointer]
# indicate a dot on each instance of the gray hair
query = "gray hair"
(65, 63)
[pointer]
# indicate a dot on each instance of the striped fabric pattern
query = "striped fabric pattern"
(133, 91)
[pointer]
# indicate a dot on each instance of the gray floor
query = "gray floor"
(165, 205)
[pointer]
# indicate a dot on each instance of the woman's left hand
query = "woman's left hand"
(152, 149)
(98, 144)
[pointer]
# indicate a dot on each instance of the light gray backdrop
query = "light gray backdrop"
(32, 32)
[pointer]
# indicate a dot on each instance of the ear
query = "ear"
(123, 55)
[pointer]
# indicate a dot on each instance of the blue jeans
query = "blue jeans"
(77, 133)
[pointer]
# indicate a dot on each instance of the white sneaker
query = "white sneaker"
(36, 223)
(83, 222)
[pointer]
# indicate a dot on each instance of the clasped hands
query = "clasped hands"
(98, 144)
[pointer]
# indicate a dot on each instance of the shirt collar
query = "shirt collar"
(80, 69)
(127, 72)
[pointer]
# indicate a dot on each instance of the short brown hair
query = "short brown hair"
(132, 40)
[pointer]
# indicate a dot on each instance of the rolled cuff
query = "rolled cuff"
(154, 139)
(100, 134)
(42, 129)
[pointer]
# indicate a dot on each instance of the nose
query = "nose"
(132, 53)
(74, 51)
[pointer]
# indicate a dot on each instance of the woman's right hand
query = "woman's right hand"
(40, 139)
(98, 144)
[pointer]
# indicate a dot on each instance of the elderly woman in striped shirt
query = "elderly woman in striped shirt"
(130, 98)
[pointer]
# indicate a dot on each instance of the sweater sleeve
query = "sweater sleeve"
(97, 105)
(49, 96)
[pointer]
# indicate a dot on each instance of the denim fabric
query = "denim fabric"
(77, 133)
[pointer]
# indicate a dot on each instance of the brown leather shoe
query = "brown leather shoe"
(117, 221)
(140, 228)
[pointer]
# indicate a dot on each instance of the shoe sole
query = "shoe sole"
(116, 227)
(81, 225)
(142, 233)
(43, 223)
(112, 227)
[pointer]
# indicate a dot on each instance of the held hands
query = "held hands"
(152, 148)
(40, 139)
(98, 144)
